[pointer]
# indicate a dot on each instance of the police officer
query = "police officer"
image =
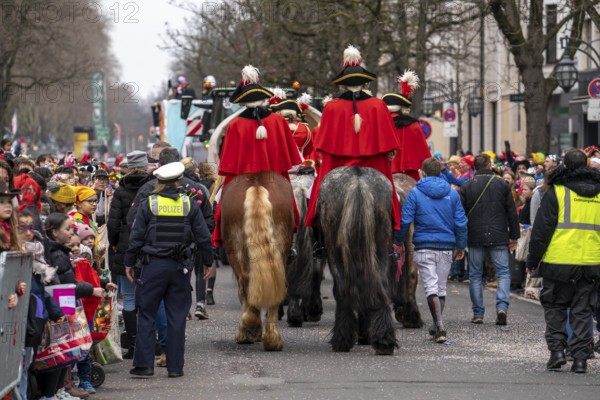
(565, 243)
(167, 224)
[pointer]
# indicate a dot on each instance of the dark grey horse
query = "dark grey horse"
(354, 214)
(304, 273)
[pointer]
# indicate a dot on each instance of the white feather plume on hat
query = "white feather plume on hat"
(250, 75)
(409, 81)
(304, 101)
(352, 56)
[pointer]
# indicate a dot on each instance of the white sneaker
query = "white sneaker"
(48, 398)
(62, 395)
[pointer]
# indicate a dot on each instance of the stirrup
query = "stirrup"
(319, 251)
(292, 255)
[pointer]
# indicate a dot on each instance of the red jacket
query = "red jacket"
(413, 149)
(340, 145)
(304, 140)
(243, 153)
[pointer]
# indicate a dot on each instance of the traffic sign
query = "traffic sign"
(594, 88)
(517, 98)
(593, 111)
(450, 115)
(426, 128)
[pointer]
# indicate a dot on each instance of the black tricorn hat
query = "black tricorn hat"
(409, 81)
(249, 89)
(280, 102)
(353, 73)
(5, 190)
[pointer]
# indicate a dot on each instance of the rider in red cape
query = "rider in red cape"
(256, 141)
(356, 129)
(413, 149)
(292, 111)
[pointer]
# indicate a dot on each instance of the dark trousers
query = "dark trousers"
(49, 382)
(161, 280)
(580, 296)
(201, 284)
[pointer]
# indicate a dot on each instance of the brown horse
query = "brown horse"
(257, 224)
(403, 292)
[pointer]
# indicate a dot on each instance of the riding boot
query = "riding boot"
(435, 308)
(130, 322)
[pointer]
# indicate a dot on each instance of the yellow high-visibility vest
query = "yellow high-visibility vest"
(163, 206)
(576, 240)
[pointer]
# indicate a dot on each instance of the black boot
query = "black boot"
(435, 308)
(210, 300)
(130, 322)
(557, 360)
(579, 366)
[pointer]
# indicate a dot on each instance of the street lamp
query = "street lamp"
(475, 105)
(566, 73)
(427, 104)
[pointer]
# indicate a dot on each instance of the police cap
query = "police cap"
(170, 173)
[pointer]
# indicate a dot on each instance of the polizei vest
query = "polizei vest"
(169, 226)
(576, 239)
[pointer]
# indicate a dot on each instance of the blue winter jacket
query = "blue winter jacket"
(438, 216)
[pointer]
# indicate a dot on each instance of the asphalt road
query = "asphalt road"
(478, 362)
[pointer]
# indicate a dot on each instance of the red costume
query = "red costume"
(243, 153)
(413, 149)
(303, 138)
(340, 145)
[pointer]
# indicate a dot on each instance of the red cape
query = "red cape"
(337, 135)
(413, 149)
(304, 141)
(243, 153)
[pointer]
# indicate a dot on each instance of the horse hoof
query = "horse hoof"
(272, 343)
(385, 351)
(399, 315)
(313, 317)
(363, 341)
(294, 324)
(412, 323)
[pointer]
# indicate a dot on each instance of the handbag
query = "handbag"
(523, 245)
(108, 351)
(102, 319)
(67, 342)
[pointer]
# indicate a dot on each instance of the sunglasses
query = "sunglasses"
(25, 228)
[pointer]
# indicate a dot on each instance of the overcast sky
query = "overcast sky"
(138, 29)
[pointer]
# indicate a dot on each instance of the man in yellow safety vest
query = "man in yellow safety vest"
(565, 247)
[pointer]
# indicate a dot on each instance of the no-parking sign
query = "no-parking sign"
(426, 128)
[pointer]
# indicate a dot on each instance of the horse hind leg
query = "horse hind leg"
(272, 340)
(250, 329)
(381, 331)
(295, 317)
(313, 305)
(345, 327)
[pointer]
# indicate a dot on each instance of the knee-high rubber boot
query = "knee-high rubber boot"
(130, 322)
(435, 308)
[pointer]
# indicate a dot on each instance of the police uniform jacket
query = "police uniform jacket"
(585, 182)
(188, 184)
(145, 223)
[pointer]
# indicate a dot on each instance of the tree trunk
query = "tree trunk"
(537, 99)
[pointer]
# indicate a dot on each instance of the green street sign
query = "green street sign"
(102, 134)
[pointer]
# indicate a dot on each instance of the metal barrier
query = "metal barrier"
(14, 267)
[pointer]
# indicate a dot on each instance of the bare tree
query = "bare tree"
(523, 27)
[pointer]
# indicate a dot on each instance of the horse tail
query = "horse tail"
(267, 273)
(356, 240)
